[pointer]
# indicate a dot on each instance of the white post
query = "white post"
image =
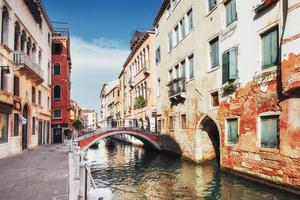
(82, 181)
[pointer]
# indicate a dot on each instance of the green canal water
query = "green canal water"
(136, 174)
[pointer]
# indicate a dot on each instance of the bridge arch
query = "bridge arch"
(150, 139)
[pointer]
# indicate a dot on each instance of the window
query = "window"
(191, 66)
(5, 26)
(182, 25)
(171, 122)
(33, 125)
(17, 36)
(214, 53)
(183, 121)
(270, 48)
(190, 20)
(56, 92)
(182, 65)
(33, 98)
(48, 103)
(16, 86)
(157, 55)
(159, 125)
(49, 73)
(168, 11)
(16, 124)
(229, 65)
(57, 113)
(40, 97)
(176, 30)
(56, 69)
(214, 99)
(230, 12)
(4, 80)
(232, 131)
(3, 128)
(158, 87)
(212, 4)
(49, 38)
(170, 39)
(269, 131)
(56, 48)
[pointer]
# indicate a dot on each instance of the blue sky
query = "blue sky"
(100, 34)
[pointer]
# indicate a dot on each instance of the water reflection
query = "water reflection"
(135, 174)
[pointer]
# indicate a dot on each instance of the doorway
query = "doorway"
(57, 135)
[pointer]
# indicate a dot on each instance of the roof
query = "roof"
(160, 12)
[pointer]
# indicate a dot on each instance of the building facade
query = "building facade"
(138, 81)
(110, 105)
(228, 84)
(90, 119)
(25, 110)
(61, 85)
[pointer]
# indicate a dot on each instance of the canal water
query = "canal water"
(135, 173)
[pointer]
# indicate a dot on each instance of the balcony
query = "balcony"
(177, 88)
(28, 66)
(146, 70)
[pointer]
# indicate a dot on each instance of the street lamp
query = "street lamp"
(6, 67)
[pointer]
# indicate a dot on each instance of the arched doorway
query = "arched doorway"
(207, 141)
(25, 127)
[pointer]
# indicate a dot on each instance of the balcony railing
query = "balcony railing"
(177, 88)
(146, 70)
(24, 62)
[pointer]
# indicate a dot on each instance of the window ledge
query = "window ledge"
(190, 80)
(211, 11)
(4, 144)
(264, 149)
(213, 69)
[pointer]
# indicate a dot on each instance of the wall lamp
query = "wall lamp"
(6, 67)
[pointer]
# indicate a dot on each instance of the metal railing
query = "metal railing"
(87, 186)
(111, 124)
(21, 58)
(177, 86)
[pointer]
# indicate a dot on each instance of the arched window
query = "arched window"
(23, 41)
(34, 51)
(56, 69)
(29, 46)
(17, 37)
(4, 27)
(145, 87)
(56, 92)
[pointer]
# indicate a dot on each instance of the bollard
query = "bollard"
(77, 163)
(82, 181)
(99, 194)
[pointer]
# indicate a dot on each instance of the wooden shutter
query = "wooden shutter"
(232, 137)
(233, 64)
(274, 47)
(266, 57)
(225, 67)
(269, 132)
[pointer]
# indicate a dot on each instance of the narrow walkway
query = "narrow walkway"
(38, 174)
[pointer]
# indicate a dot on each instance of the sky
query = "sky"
(100, 33)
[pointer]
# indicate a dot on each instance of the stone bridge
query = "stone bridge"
(146, 136)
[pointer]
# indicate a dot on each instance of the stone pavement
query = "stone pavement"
(38, 174)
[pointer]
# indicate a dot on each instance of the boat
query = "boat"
(95, 145)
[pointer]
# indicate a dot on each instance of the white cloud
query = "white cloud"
(94, 63)
(101, 53)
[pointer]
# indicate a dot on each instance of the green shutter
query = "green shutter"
(274, 47)
(225, 67)
(269, 132)
(233, 65)
(266, 57)
(232, 137)
(233, 10)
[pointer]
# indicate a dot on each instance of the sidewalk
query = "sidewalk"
(39, 174)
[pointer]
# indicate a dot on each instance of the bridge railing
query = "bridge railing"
(110, 124)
